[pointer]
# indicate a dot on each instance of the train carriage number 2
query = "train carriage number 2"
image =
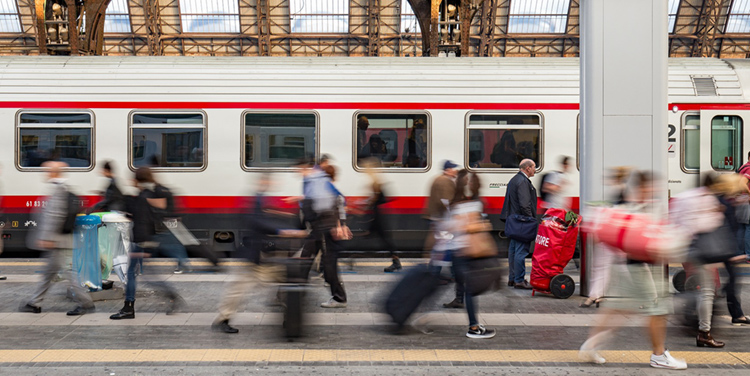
(36, 204)
(672, 131)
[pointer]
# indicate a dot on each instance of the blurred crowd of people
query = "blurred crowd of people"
(714, 218)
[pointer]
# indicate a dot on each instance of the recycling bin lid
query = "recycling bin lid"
(88, 220)
(114, 218)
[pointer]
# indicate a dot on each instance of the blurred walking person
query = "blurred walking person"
(146, 212)
(321, 208)
(377, 199)
(53, 235)
(113, 199)
(641, 289)
(249, 277)
(466, 210)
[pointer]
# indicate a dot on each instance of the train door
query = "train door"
(722, 140)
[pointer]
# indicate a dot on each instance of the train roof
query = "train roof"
(268, 79)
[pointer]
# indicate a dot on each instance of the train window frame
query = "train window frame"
(283, 112)
(203, 126)
(19, 126)
(468, 127)
(740, 137)
(683, 129)
(418, 170)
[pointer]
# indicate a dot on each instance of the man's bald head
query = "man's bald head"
(528, 167)
(54, 169)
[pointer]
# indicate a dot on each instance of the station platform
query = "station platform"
(535, 335)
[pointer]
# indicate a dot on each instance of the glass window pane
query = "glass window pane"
(738, 20)
(319, 16)
(279, 139)
(69, 145)
(538, 16)
(674, 5)
(216, 16)
(691, 145)
(62, 118)
(168, 119)
(117, 18)
(502, 141)
(392, 140)
(409, 23)
(172, 147)
(9, 21)
(726, 142)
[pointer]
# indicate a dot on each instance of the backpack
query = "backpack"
(542, 194)
(74, 207)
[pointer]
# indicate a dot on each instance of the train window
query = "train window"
(278, 140)
(691, 143)
(726, 142)
(502, 141)
(392, 140)
(65, 136)
(168, 140)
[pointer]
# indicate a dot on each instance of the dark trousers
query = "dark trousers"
(732, 291)
(378, 229)
(321, 240)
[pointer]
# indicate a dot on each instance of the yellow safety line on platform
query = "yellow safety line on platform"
(353, 355)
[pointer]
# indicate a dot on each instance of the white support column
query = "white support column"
(624, 52)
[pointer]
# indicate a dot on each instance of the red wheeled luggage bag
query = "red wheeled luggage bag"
(554, 247)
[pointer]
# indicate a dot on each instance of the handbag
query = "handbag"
(742, 212)
(521, 228)
(712, 247)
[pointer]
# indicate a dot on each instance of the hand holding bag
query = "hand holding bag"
(521, 228)
(480, 242)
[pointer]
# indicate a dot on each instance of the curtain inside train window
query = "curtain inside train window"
(726, 142)
(392, 140)
(168, 140)
(501, 141)
(279, 139)
(64, 136)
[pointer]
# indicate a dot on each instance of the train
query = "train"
(211, 125)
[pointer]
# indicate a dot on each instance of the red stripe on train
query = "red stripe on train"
(338, 105)
(237, 204)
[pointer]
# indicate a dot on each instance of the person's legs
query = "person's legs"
(131, 277)
(51, 268)
(657, 329)
(331, 269)
(706, 299)
(731, 289)
(511, 257)
(171, 247)
(242, 282)
(80, 295)
(519, 262)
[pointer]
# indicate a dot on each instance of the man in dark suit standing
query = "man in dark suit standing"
(520, 198)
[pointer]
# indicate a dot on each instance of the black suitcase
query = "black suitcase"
(418, 284)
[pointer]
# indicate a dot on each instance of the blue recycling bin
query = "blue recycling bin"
(86, 260)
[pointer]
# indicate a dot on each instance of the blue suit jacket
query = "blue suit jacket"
(520, 197)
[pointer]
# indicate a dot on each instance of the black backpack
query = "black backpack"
(75, 207)
(542, 194)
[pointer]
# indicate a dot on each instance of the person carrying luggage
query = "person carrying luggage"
(463, 213)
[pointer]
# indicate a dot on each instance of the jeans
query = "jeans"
(461, 267)
(733, 293)
(171, 247)
(136, 257)
(743, 239)
(517, 252)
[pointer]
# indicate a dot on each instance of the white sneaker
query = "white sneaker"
(591, 356)
(333, 303)
(480, 332)
(667, 361)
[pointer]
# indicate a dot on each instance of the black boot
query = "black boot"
(396, 265)
(127, 312)
(223, 326)
(456, 303)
